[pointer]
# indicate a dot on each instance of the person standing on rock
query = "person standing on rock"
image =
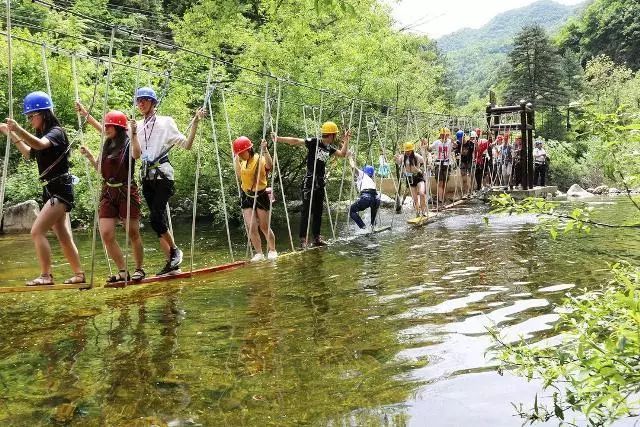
(313, 186)
(159, 134)
(50, 147)
(540, 166)
(369, 197)
(114, 168)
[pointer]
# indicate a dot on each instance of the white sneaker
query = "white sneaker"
(257, 257)
(272, 255)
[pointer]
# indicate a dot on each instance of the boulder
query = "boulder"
(591, 190)
(386, 201)
(614, 190)
(19, 218)
(601, 189)
(576, 191)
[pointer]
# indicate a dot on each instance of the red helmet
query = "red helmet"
(115, 118)
(241, 144)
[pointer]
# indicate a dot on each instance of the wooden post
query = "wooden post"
(530, 126)
(524, 152)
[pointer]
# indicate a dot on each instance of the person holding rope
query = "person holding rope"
(160, 135)
(443, 149)
(313, 187)
(506, 155)
(369, 197)
(50, 147)
(412, 164)
(114, 167)
(466, 160)
(481, 160)
(253, 169)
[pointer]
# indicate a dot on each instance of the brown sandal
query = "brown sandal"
(76, 279)
(42, 280)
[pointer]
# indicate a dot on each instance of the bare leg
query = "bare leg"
(422, 197)
(136, 243)
(108, 234)
(62, 228)
(48, 216)
(414, 196)
(253, 230)
(263, 220)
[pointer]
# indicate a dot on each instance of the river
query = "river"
(387, 329)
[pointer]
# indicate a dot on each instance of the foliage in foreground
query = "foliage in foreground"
(596, 369)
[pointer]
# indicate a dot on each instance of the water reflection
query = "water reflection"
(386, 330)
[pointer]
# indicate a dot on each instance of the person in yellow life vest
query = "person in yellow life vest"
(253, 169)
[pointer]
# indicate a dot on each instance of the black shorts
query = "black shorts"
(415, 179)
(262, 201)
(442, 172)
(61, 189)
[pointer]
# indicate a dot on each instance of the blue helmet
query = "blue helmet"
(369, 170)
(37, 101)
(459, 135)
(146, 92)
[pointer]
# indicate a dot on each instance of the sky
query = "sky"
(439, 17)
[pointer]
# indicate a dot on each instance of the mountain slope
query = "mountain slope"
(477, 58)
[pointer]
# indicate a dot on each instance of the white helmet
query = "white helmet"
(473, 134)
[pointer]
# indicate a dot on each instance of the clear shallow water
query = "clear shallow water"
(383, 330)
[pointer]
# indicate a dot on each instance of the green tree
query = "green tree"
(609, 27)
(535, 73)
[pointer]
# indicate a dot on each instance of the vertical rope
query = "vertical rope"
(7, 149)
(46, 69)
(228, 125)
(130, 163)
(315, 162)
(102, 137)
(276, 162)
(86, 161)
(344, 171)
(264, 134)
(196, 182)
(222, 189)
(355, 155)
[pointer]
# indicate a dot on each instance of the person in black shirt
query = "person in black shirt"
(50, 147)
(313, 186)
(466, 158)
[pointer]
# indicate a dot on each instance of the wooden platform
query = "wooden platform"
(182, 275)
(11, 289)
(523, 194)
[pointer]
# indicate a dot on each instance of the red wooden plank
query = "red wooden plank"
(183, 275)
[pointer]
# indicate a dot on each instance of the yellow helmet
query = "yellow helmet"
(445, 131)
(409, 146)
(329, 128)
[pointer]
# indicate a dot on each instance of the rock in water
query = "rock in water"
(20, 218)
(601, 189)
(576, 191)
